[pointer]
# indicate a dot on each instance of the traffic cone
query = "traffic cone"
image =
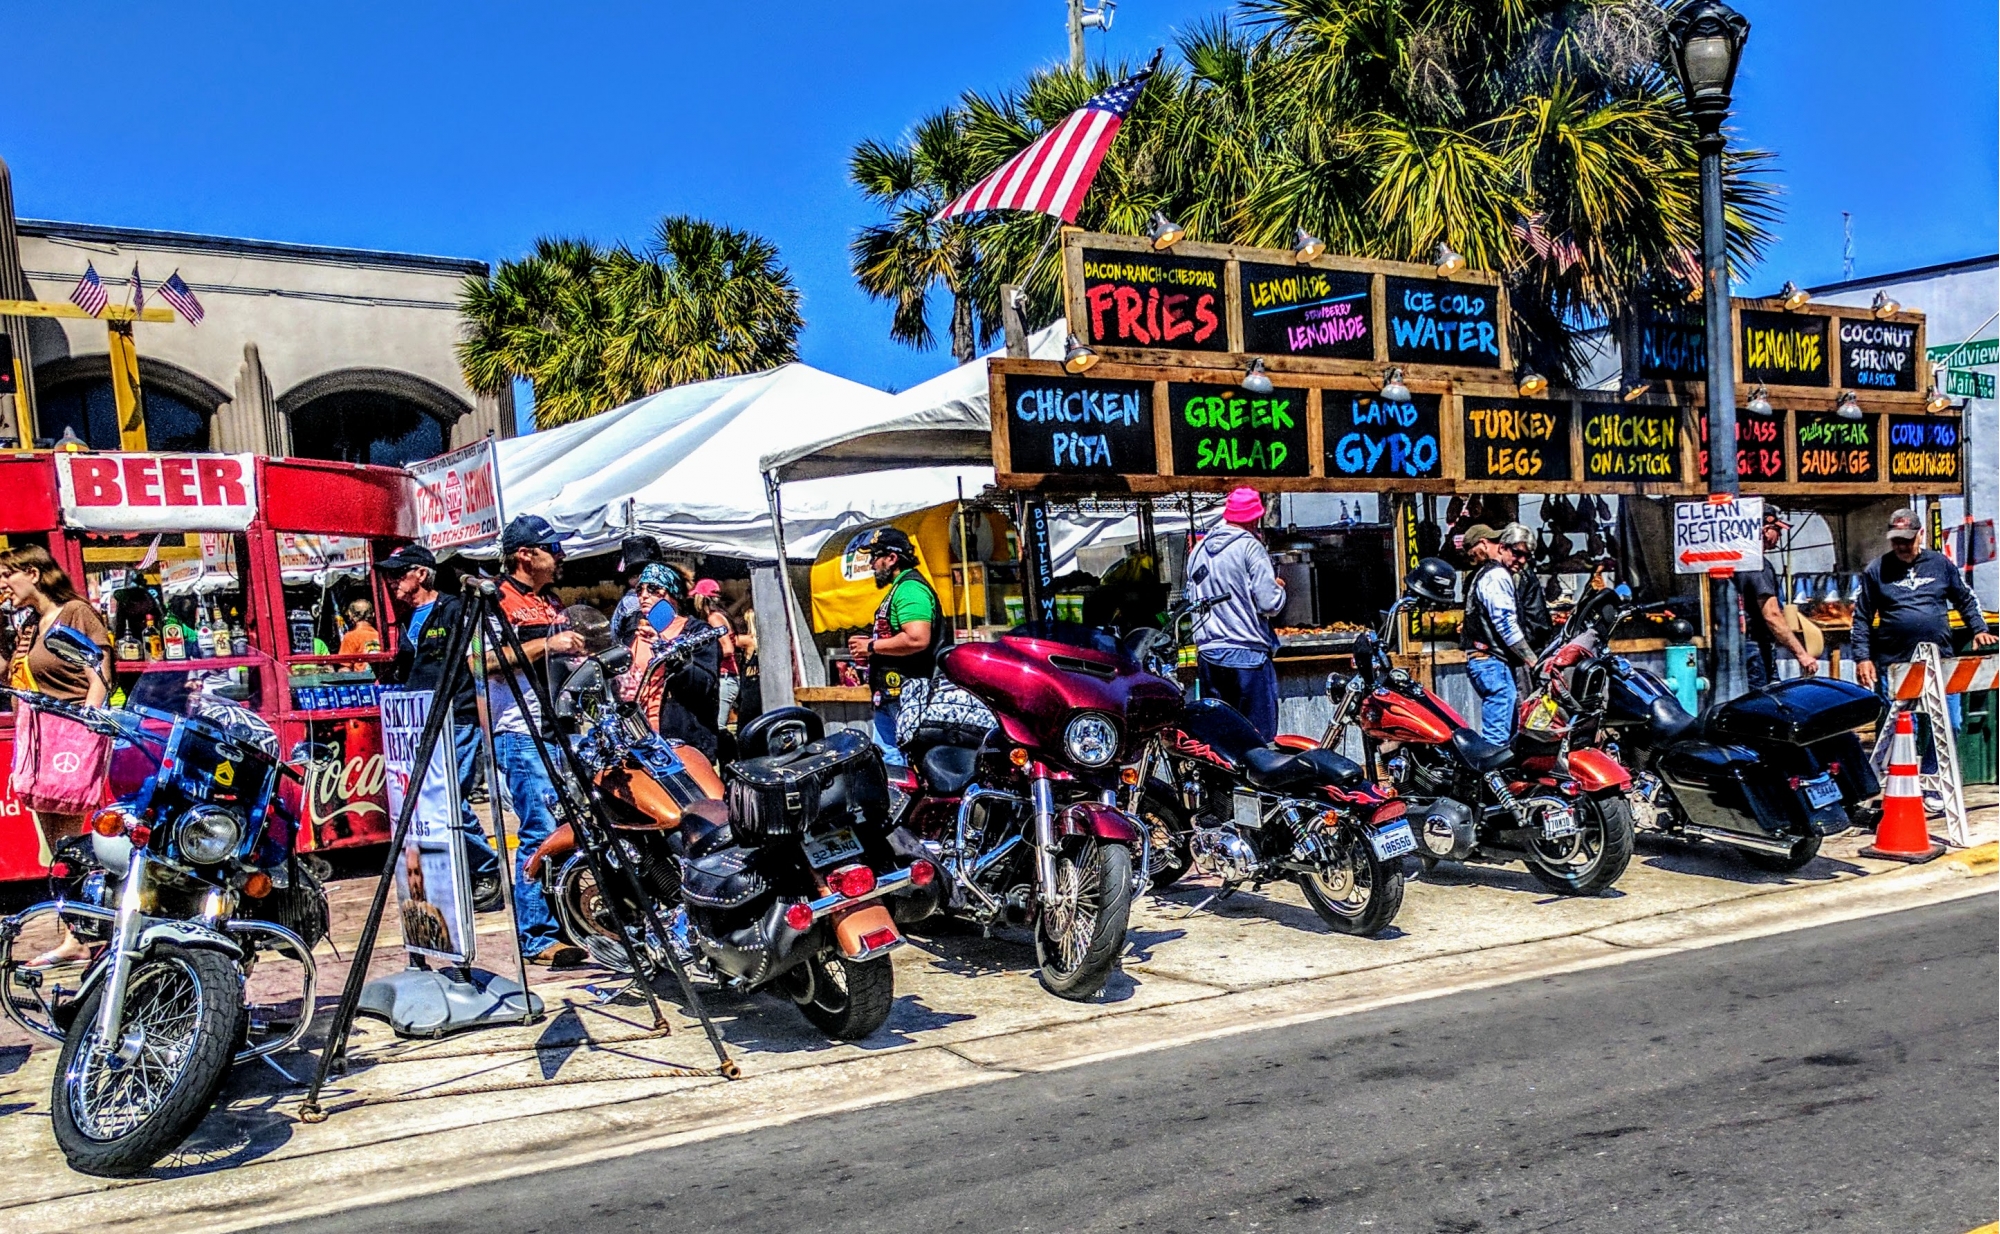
(1902, 834)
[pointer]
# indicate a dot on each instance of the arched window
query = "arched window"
(366, 426)
(87, 407)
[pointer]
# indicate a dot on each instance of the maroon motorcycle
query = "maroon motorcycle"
(1020, 809)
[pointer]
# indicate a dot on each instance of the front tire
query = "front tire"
(1595, 857)
(847, 999)
(1362, 894)
(1078, 936)
(187, 1007)
(1801, 855)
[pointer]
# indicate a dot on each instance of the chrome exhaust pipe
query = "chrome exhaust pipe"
(1736, 839)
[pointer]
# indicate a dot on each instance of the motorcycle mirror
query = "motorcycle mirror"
(1624, 591)
(72, 646)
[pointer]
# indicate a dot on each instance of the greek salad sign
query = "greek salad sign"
(1718, 537)
(1224, 431)
(1079, 426)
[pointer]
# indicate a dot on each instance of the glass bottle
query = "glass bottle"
(173, 639)
(205, 633)
(129, 647)
(239, 638)
(155, 646)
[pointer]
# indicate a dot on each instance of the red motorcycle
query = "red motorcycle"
(1563, 811)
(1023, 816)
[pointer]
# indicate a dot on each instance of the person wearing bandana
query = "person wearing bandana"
(909, 632)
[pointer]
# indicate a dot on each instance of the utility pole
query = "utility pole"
(1076, 36)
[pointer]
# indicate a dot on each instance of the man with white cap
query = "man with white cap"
(1234, 638)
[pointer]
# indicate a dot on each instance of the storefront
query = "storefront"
(226, 573)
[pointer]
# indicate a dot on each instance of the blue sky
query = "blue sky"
(470, 129)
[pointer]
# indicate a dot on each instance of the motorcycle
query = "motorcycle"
(1217, 797)
(1024, 818)
(1769, 774)
(1562, 810)
(188, 879)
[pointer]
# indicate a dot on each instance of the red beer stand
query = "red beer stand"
(293, 508)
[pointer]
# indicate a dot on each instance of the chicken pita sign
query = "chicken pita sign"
(157, 492)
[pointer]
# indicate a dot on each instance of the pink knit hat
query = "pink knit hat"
(707, 587)
(1244, 506)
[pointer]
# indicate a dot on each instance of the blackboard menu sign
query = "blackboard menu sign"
(1224, 431)
(1627, 441)
(1785, 349)
(1836, 450)
(1371, 437)
(1760, 448)
(1924, 451)
(1877, 355)
(1154, 300)
(1302, 311)
(1516, 439)
(1672, 345)
(1435, 321)
(1079, 427)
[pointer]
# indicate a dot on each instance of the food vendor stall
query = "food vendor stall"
(224, 573)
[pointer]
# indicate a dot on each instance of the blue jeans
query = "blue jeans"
(1494, 682)
(884, 731)
(480, 859)
(534, 801)
(1252, 691)
(1760, 665)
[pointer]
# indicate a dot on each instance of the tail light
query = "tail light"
(852, 881)
(1833, 768)
(1388, 812)
(799, 917)
(905, 780)
(875, 940)
(922, 874)
(59, 870)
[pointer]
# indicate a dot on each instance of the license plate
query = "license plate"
(1558, 821)
(1821, 791)
(1392, 841)
(825, 850)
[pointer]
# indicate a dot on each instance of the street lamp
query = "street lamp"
(1706, 39)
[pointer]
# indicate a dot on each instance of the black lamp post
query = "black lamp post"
(1706, 38)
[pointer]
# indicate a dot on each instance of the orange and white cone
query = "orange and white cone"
(1903, 835)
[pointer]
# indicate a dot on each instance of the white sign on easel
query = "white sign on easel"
(1718, 537)
(433, 883)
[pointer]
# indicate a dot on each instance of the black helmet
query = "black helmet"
(1433, 580)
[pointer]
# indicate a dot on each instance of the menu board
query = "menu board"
(1760, 448)
(1371, 437)
(1627, 441)
(1161, 300)
(1516, 439)
(1079, 426)
(1225, 431)
(1924, 451)
(1436, 321)
(1673, 345)
(1784, 349)
(1877, 355)
(1302, 311)
(1836, 450)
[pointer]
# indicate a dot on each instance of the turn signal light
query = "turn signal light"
(1018, 757)
(109, 823)
(922, 874)
(1128, 776)
(799, 917)
(257, 886)
(852, 881)
(876, 939)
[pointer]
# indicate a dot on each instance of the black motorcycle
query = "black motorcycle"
(1769, 774)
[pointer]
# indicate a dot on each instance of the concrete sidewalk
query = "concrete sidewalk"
(591, 1078)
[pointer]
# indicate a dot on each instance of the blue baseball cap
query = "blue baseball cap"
(529, 531)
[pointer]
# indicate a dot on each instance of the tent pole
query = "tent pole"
(771, 485)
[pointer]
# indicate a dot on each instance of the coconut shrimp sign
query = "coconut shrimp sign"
(458, 496)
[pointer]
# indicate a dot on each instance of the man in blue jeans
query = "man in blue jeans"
(1491, 634)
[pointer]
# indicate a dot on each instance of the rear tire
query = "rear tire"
(1595, 857)
(1168, 824)
(1077, 942)
(1364, 897)
(1801, 855)
(847, 999)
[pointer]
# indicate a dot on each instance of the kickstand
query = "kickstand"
(272, 1064)
(1204, 904)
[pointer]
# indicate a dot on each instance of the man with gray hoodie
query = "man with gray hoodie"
(1234, 638)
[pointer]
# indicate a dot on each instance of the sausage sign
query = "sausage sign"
(157, 492)
(1718, 537)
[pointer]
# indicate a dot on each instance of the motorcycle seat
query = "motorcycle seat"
(948, 769)
(705, 828)
(1480, 754)
(1274, 768)
(1670, 722)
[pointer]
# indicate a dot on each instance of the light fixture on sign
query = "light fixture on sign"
(1530, 383)
(1306, 246)
(1163, 231)
(1077, 357)
(1633, 390)
(70, 443)
(1448, 260)
(1884, 306)
(1393, 388)
(1848, 407)
(1256, 380)
(1794, 299)
(1938, 400)
(1760, 401)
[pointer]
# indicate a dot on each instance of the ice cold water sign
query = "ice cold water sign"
(1509, 439)
(1785, 349)
(1303, 311)
(1374, 438)
(1154, 300)
(1434, 321)
(1835, 450)
(1924, 450)
(1223, 431)
(1076, 426)
(1877, 355)
(1760, 447)
(1622, 441)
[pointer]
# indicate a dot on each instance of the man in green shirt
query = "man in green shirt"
(909, 629)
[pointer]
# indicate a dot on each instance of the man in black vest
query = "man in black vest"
(909, 630)
(1494, 642)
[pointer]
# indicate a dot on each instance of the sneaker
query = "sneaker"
(486, 897)
(559, 955)
(1934, 804)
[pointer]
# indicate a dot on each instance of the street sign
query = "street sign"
(1713, 537)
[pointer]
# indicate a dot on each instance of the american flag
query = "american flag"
(88, 294)
(178, 294)
(138, 291)
(1054, 172)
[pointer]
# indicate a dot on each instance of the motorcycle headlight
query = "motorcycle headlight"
(207, 835)
(1091, 740)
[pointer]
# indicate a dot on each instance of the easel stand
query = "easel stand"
(1930, 703)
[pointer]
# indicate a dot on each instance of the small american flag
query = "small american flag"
(138, 291)
(1052, 175)
(88, 294)
(178, 294)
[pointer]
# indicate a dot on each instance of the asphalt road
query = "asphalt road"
(1840, 1078)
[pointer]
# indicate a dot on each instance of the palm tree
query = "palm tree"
(594, 328)
(912, 255)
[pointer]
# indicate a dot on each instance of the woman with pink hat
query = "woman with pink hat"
(708, 605)
(1234, 637)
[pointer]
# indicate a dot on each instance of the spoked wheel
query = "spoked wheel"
(1358, 893)
(845, 999)
(121, 1106)
(1595, 857)
(585, 915)
(1168, 824)
(1080, 930)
